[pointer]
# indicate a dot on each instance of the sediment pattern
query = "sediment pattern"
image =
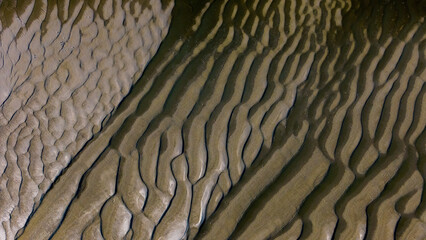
(254, 120)
(64, 68)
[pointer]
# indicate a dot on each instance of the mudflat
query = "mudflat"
(257, 119)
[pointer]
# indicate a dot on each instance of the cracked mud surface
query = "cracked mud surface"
(212, 119)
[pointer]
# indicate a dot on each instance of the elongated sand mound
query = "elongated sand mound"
(220, 119)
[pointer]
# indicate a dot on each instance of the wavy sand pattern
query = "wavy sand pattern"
(213, 119)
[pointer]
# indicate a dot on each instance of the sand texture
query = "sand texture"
(214, 119)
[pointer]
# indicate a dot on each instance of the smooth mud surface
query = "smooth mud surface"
(216, 119)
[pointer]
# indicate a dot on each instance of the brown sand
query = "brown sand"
(254, 120)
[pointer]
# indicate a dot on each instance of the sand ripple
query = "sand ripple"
(254, 120)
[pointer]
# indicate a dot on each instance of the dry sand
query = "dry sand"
(215, 120)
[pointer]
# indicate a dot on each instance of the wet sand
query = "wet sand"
(213, 120)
